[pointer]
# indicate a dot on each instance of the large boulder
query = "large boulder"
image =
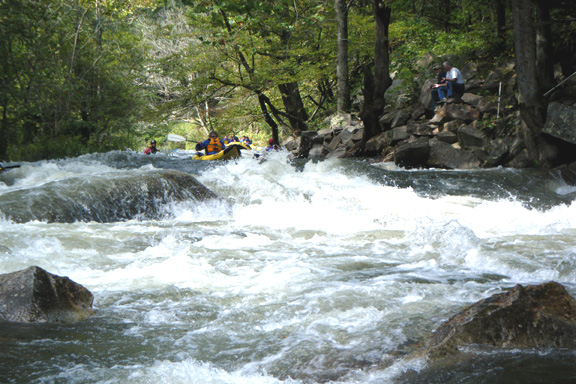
(542, 316)
(426, 96)
(498, 151)
(568, 173)
(561, 122)
(413, 154)
(444, 155)
(306, 143)
(34, 295)
(104, 198)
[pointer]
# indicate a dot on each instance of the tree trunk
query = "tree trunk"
(531, 103)
(500, 20)
(374, 105)
(297, 115)
(267, 118)
(342, 57)
(382, 80)
(447, 8)
(4, 139)
(544, 49)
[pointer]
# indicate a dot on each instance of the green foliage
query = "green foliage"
(66, 78)
(78, 79)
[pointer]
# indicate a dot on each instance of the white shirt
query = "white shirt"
(454, 73)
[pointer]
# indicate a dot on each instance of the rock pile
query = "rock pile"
(462, 134)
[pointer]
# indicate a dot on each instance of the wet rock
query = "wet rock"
(338, 153)
(568, 173)
(306, 142)
(34, 295)
(414, 154)
(498, 152)
(444, 155)
(521, 160)
(317, 151)
(291, 143)
(542, 316)
(104, 198)
(560, 122)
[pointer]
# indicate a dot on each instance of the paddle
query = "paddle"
(177, 138)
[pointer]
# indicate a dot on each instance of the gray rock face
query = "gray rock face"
(561, 122)
(105, 198)
(542, 316)
(443, 155)
(34, 295)
(470, 137)
(412, 155)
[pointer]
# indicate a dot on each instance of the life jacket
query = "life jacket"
(150, 150)
(214, 146)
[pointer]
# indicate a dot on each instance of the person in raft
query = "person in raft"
(271, 146)
(152, 148)
(234, 138)
(212, 145)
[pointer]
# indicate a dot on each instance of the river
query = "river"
(303, 272)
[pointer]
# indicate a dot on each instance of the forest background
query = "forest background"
(79, 76)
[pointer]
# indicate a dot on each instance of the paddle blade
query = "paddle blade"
(174, 137)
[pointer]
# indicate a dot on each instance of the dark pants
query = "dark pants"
(451, 90)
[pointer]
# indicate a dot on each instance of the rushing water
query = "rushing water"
(304, 272)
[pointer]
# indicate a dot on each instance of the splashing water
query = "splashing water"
(303, 273)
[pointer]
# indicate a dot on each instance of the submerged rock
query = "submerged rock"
(542, 316)
(105, 198)
(34, 295)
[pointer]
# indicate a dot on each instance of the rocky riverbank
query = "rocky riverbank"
(480, 130)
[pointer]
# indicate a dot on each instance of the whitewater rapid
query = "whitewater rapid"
(303, 272)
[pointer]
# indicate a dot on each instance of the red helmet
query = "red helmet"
(271, 142)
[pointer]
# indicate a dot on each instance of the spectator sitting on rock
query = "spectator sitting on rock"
(440, 82)
(455, 82)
